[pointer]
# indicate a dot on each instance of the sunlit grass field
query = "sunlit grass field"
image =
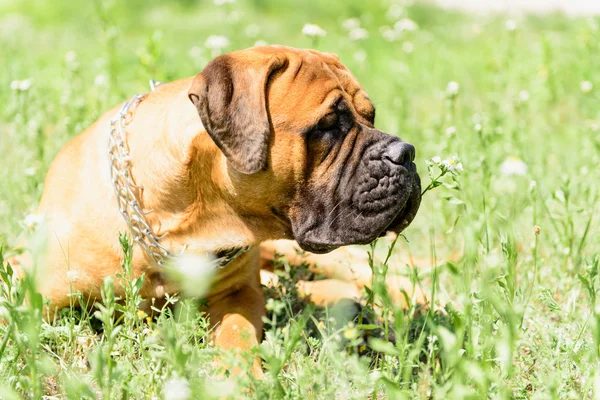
(507, 245)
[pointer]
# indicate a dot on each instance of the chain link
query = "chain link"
(127, 192)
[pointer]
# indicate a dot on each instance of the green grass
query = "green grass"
(522, 312)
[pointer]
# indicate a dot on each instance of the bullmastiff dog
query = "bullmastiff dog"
(265, 143)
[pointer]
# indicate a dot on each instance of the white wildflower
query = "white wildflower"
(30, 171)
(408, 47)
(177, 389)
(436, 160)
(532, 185)
(358, 34)
(194, 272)
(100, 80)
(510, 25)
(388, 33)
(350, 24)
(252, 30)
(451, 163)
(524, 96)
(25, 85)
(21, 86)
(360, 56)
(478, 127)
(513, 166)
(452, 88)
(451, 131)
(215, 42)
(406, 25)
(394, 12)
(32, 221)
(71, 57)
(586, 86)
(312, 30)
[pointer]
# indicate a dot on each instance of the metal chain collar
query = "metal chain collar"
(127, 191)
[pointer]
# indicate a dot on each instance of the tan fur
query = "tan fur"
(196, 196)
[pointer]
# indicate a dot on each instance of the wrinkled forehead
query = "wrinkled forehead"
(312, 80)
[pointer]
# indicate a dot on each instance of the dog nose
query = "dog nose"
(400, 153)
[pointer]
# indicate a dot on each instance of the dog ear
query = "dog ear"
(230, 96)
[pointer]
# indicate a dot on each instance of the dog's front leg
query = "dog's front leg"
(238, 324)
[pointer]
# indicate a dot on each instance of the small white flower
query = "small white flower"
(30, 171)
(177, 389)
(360, 56)
(452, 88)
(252, 30)
(459, 167)
(532, 185)
(70, 57)
(21, 86)
(100, 80)
(451, 131)
(358, 34)
(406, 24)
(33, 220)
(408, 47)
(395, 12)
(215, 42)
(194, 273)
(513, 166)
(350, 24)
(478, 127)
(510, 25)
(25, 85)
(312, 30)
(436, 159)
(451, 163)
(586, 86)
(388, 33)
(524, 96)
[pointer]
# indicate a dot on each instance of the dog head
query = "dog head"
(297, 131)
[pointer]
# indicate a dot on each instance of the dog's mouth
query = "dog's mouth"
(407, 214)
(399, 222)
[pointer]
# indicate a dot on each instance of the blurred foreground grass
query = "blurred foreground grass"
(517, 102)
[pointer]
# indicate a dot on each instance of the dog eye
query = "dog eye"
(328, 122)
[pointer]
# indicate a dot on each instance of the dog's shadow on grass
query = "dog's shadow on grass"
(354, 324)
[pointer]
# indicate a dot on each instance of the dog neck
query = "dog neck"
(178, 186)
